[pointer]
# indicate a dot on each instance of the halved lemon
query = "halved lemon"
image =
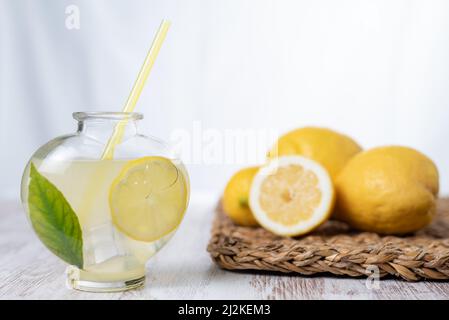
(291, 195)
(148, 198)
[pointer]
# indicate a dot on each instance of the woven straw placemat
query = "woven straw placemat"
(335, 249)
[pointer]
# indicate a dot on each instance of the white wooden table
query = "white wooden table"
(182, 270)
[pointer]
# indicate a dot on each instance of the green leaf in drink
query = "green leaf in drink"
(54, 220)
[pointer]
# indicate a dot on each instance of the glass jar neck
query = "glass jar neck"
(102, 130)
(102, 125)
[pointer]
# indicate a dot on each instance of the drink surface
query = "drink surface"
(109, 253)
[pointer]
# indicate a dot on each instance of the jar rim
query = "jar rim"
(106, 115)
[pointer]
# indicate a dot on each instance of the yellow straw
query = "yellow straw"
(117, 135)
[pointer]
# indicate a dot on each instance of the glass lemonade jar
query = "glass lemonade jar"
(105, 199)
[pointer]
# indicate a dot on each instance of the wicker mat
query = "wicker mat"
(335, 249)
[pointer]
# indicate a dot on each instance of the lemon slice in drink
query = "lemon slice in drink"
(148, 198)
(291, 196)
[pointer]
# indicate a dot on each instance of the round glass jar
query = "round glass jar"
(105, 205)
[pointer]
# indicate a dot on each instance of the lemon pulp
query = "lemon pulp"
(291, 195)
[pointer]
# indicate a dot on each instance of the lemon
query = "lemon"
(331, 149)
(235, 197)
(291, 195)
(389, 190)
(148, 198)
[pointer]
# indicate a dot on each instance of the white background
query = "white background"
(376, 70)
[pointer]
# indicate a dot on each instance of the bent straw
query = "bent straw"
(117, 135)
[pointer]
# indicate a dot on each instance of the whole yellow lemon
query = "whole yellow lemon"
(236, 197)
(388, 190)
(329, 148)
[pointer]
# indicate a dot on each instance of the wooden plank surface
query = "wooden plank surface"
(182, 270)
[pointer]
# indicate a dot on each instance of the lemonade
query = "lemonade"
(106, 198)
(126, 209)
